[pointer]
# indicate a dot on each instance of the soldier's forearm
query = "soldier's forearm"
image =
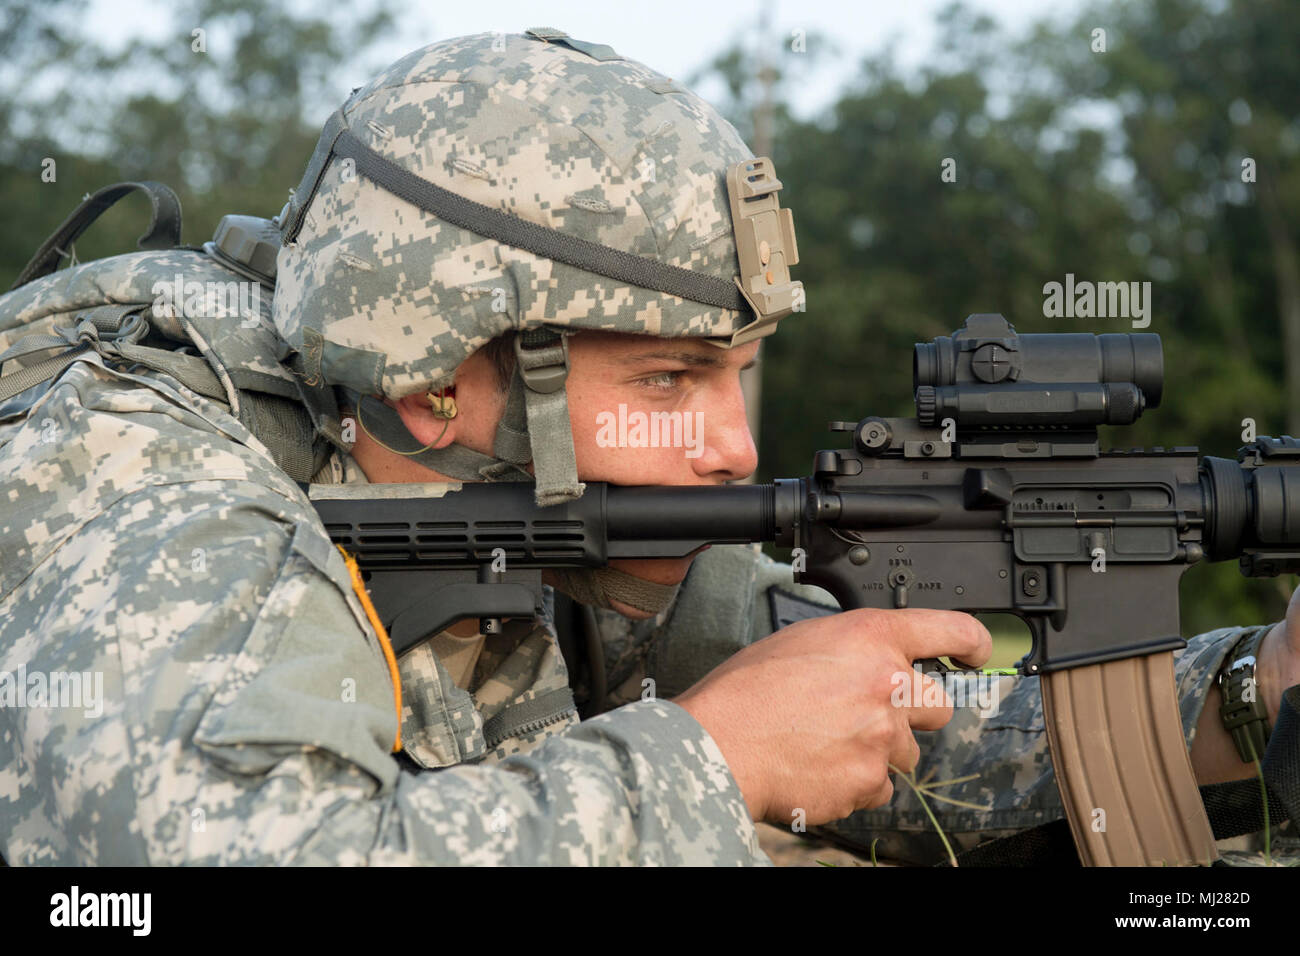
(1214, 755)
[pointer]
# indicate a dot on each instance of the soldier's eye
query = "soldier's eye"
(664, 380)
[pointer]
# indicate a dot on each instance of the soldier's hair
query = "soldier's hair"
(501, 353)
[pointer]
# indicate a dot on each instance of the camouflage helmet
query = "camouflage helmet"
(530, 183)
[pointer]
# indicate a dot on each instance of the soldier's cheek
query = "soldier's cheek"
(636, 448)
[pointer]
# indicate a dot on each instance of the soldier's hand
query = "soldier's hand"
(808, 718)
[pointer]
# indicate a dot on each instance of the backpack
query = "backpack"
(199, 314)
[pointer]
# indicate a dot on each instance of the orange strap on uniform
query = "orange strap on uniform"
(359, 587)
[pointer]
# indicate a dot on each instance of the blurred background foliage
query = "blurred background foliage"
(1115, 166)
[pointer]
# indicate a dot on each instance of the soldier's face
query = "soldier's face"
(653, 411)
(644, 411)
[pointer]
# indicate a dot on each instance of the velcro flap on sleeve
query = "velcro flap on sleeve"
(306, 679)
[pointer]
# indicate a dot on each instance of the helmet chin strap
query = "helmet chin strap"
(597, 587)
(535, 427)
(600, 587)
(385, 425)
(542, 364)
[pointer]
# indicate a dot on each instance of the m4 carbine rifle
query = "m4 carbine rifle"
(995, 498)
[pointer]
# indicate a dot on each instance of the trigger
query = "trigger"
(932, 666)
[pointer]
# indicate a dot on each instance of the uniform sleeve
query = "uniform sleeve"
(246, 717)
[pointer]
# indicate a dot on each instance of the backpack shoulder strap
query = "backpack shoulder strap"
(164, 230)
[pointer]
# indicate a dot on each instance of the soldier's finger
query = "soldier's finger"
(926, 633)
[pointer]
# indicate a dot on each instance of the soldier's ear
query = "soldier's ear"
(422, 421)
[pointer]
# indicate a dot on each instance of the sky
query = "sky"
(675, 37)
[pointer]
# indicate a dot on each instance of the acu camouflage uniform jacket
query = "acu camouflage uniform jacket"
(247, 715)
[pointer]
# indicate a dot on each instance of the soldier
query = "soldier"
(252, 711)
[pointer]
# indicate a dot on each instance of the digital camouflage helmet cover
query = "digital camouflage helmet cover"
(530, 183)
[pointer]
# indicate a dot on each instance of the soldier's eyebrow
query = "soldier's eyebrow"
(687, 358)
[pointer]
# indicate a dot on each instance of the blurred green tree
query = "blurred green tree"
(215, 107)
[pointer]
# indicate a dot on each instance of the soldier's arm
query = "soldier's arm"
(247, 716)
